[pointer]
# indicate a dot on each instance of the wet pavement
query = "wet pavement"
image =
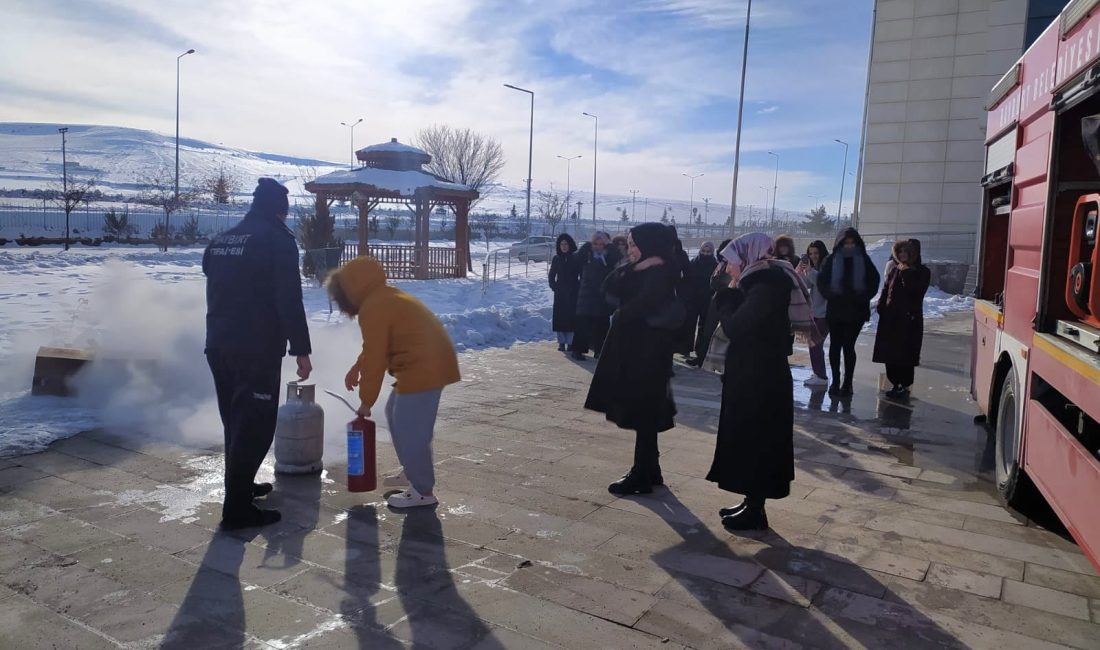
(892, 536)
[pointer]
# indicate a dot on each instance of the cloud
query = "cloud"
(767, 110)
(280, 77)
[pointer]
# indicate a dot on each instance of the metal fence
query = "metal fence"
(89, 220)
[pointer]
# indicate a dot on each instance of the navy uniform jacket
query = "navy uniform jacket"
(254, 291)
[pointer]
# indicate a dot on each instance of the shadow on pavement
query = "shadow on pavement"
(212, 613)
(771, 600)
(437, 614)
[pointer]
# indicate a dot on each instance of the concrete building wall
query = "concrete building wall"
(933, 63)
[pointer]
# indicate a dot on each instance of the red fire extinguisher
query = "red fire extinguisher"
(362, 474)
(362, 466)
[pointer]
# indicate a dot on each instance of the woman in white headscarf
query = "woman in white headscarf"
(754, 454)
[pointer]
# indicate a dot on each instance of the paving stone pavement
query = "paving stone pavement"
(892, 536)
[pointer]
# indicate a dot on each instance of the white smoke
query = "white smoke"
(151, 379)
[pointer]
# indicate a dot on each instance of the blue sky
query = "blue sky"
(280, 76)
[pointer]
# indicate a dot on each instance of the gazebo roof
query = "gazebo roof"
(405, 183)
(393, 146)
(391, 170)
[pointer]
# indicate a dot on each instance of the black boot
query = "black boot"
(729, 512)
(750, 517)
(250, 518)
(561, 347)
(634, 482)
(846, 388)
(655, 476)
(834, 390)
(261, 490)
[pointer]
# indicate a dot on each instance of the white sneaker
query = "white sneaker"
(814, 380)
(398, 480)
(410, 498)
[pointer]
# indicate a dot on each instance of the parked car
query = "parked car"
(536, 249)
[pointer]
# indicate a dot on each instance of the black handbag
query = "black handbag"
(670, 316)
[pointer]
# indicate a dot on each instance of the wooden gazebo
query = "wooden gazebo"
(392, 173)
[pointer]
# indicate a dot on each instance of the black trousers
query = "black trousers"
(248, 401)
(590, 334)
(646, 454)
(842, 340)
(900, 375)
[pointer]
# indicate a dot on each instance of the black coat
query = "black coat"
(565, 282)
(755, 449)
(590, 298)
(901, 316)
(631, 384)
(848, 306)
(254, 290)
(701, 271)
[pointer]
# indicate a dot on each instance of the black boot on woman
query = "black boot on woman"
(751, 516)
(634, 482)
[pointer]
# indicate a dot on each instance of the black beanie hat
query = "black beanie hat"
(654, 239)
(270, 197)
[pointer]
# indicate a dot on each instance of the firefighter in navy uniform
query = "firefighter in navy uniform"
(253, 309)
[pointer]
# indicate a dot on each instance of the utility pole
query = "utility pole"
(775, 185)
(843, 177)
(706, 209)
(740, 116)
(65, 183)
(595, 150)
(646, 208)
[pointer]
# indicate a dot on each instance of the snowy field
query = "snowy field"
(145, 309)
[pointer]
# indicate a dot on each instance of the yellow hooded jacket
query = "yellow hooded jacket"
(399, 334)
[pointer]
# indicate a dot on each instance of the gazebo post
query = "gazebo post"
(364, 216)
(462, 235)
(423, 209)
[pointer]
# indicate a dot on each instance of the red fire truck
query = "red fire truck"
(1036, 366)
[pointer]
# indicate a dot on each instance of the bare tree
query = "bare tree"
(462, 156)
(222, 185)
(70, 194)
(551, 208)
(158, 187)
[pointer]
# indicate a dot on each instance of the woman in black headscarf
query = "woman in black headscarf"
(631, 383)
(848, 280)
(565, 282)
(719, 279)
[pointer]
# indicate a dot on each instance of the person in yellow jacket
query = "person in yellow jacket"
(402, 336)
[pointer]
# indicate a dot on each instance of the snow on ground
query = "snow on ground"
(146, 308)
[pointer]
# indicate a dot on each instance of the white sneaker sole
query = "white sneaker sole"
(398, 501)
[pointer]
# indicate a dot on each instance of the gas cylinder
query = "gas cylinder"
(362, 474)
(299, 432)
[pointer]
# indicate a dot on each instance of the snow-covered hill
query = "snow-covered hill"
(30, 158)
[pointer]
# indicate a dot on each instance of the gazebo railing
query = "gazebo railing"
(402, 262)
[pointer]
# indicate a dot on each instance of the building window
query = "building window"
(1040, 13)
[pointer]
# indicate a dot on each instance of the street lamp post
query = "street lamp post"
(706, 210)
(595, 149)
(843, 177)
(568, 193)
(767, 198)
(633, 201)
(740, 115)
(176, 200)
(351, 127)
(65, 183)
(691, 202)
(775, 185)
(530, 151)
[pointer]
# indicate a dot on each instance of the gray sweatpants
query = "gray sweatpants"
(411, 417)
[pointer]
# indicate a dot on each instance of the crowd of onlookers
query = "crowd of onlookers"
(636, 301)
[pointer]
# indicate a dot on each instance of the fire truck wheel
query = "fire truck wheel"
(1007, 459)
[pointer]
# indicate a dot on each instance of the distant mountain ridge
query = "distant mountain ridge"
(30, 158)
